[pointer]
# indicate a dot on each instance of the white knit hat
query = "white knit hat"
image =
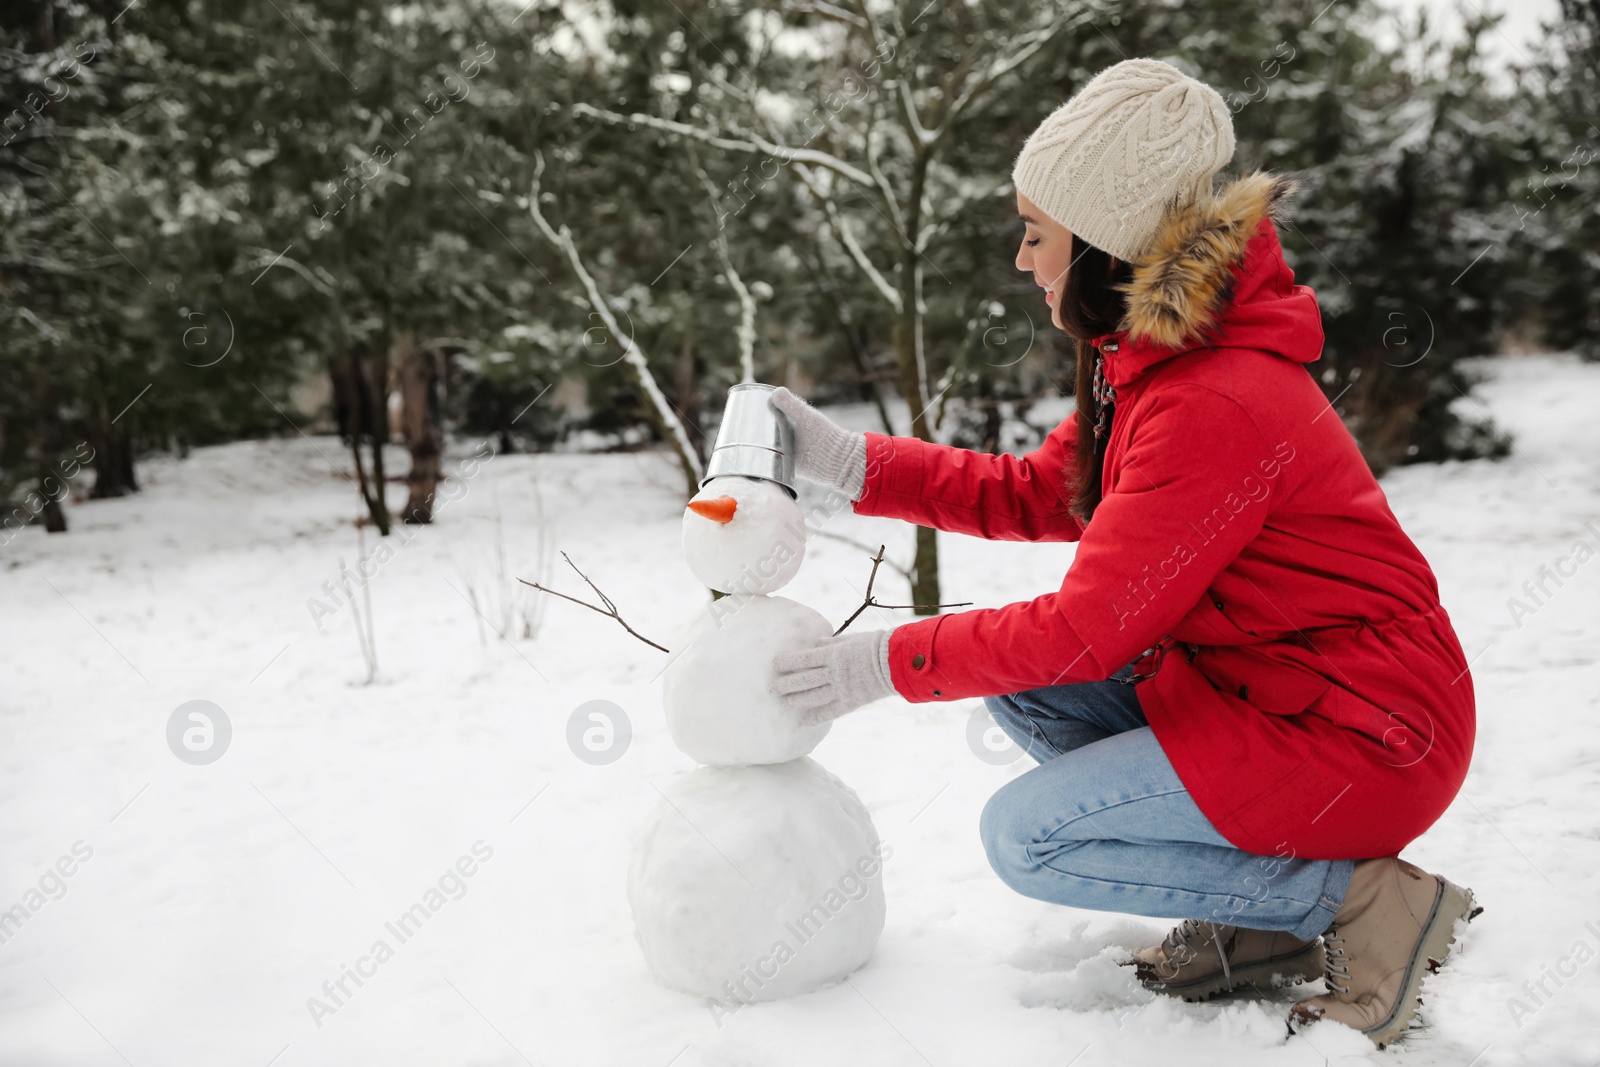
(1140, 137)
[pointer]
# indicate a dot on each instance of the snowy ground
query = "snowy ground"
(206, 904)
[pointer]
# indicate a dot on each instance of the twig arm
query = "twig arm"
(610, 609)
(850, 620)
(872, 577)
(868, 601)
(564, 596)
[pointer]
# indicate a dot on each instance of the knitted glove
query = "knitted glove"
(833, 677)
(824, 452)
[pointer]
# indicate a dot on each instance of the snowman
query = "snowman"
(759, 875)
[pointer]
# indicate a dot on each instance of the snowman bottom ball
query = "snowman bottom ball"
(755, 883)
(715, 690)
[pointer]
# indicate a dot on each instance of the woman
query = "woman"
(1245, 698)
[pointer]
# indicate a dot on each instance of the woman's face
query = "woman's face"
(1046, 251)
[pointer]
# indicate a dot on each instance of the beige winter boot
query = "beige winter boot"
(1200, 960)
(1396, 926)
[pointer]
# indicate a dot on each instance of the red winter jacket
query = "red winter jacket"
(1308, 687)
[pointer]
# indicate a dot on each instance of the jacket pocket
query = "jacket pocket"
(1251, 674)
(1228, 621)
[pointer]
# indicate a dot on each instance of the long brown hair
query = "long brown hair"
(1093, 303)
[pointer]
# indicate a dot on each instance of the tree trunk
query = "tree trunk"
(370, 420)
(913, 379)
(687, 385)
(113, 460)
(343, 383)
(419, 425)
(55, 520)
(52, 484)
(52, 488)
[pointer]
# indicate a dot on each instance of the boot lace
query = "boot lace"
(1178, 941)
(1335, 961)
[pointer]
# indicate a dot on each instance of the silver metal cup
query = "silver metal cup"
(754, 440)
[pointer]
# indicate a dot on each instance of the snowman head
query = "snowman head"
(743, 535)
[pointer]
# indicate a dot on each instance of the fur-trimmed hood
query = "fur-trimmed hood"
(1213, 276)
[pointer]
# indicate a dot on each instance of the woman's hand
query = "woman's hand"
(824, 451)
(833, 677)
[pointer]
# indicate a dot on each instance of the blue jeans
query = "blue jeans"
(1104, 823)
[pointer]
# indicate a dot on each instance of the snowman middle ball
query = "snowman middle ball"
(720, 710)
(743, 535)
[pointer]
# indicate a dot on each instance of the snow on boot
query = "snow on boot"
(1200, 960)
(1395, 927)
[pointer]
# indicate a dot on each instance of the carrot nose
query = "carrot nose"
(717, 509)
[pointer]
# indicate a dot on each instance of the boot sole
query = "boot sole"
(1305, 963)
(1450, 903)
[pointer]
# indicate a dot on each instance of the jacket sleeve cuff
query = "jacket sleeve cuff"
(887, 470)
(912, 662)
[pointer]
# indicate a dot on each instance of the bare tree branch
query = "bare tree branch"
(747, 302)
(841, 230)
(828, 11)
(319, 279)
(666, 415)
(1026, 46)
(728, 87)
(884, 187)
(753, 144)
